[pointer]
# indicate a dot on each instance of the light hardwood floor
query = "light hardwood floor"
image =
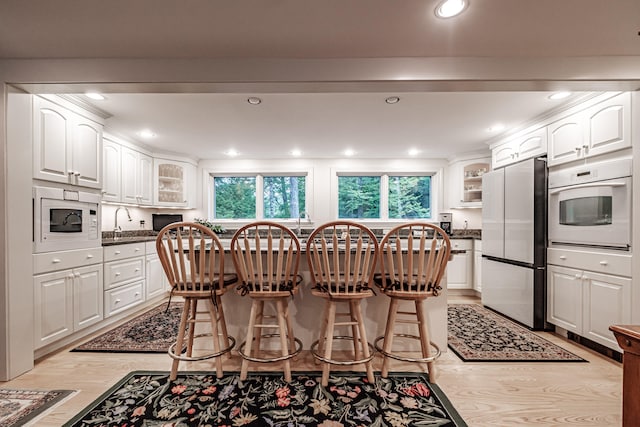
(485, 394)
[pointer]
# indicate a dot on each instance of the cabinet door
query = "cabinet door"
(564, 298)
(53, 311)
(156, 279)
(566, 140)
(86, 152)
(532, 144)
(145, 179)
(112, 179)
(609, 125)
(477, 270)
(504, 155)
(51, 141)
(607, 301)
(172, 182)
(458, 271)
(88, 295)
(129, 175)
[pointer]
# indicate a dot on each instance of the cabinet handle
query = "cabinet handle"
(137, 249)
(117, 252)
(70, 172)
(117, 274)
(137, 269)
(604, 263)
(577, 148)
(89, 256)
(137, 294)
(56, 261)
(578, 276)
(562, 257)
(116, 301)
(76, 173)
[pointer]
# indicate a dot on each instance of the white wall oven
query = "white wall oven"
(590, 205)
(65, 219)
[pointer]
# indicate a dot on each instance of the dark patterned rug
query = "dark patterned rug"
(265, 399)
(18, 407)
(477, 334)
(151, 332)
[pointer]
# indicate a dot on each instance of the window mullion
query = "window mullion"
(384, 197)
(259, 196)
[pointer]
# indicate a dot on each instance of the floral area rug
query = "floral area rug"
(151, 332)
(22, 407)
(265, 399)
(477, 334)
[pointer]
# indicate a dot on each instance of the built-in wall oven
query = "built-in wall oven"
(65, 219)
(590, 205)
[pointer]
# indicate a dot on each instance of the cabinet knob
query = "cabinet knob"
(562, 257)
(137, 269)
(117, 274)
(89, 256)
(603, 263)
(117, 252)
(578, 148)
(116, 301)
(56, 261)
(137, 294)
(578, 276)
(69, 172)
(137, 249)
(76, 173)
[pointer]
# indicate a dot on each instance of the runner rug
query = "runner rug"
(151, 332)
(19, 407)
(265, 399)
(477, 334)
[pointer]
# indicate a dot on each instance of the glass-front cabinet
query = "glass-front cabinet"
(174, 183)
(465, 178)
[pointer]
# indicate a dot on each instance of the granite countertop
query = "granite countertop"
(125, 237)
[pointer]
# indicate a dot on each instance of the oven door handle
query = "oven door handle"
(588, 185)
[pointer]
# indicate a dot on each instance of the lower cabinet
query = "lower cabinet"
(124, 277)
(67, 301)
(587, 303)
(460, 266)
(157, 282)
(477, 265)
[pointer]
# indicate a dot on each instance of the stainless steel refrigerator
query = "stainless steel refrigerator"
(514, 241)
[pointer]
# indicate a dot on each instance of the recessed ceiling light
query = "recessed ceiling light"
(146, 133)
(559, 95)
(392, 100)
(231, 153)
(349, 152)
(296, 153)
(413, 152)
(254, 100)
(451, 8)
(94, 95)
(496, 128)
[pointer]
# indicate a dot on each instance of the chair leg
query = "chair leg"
(282, 323)
(363, 340)
(354, 330)
(249, 341)
(292, 340)
(388, 334)
(215, 335)
(192, 326)
(259, 321)
(424, 340)
(180, 339)
(323, 330)
(223, 325)
(328, 337)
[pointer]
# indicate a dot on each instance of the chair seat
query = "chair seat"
(273, 288)
(195, 288)
(396, 289)
(323, 291)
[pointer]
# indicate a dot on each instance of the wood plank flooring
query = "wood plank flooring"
(485, 394)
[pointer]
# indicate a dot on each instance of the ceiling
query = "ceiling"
(204, 125)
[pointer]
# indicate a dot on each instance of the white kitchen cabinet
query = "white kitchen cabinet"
(587, 302)
(602, 128)
(465, 189)
(477, 265)
(174, 183)
(521, 147)
(137, 177)
(67, 146)
(460, 266)
(157, 282)
(112, 168)
(124, 277)
(66, 301)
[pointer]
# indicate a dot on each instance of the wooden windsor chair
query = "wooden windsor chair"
(266, 256)
(192, 257)
(414, 257)
(342, 258)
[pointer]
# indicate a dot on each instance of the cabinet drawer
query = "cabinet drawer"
(601, 262)
(116, 300)
(53, 261)
(120, 272)
(461, 244)
(150, 247)
(116, 252)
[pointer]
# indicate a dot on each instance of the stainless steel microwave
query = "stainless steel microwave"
(65, 219)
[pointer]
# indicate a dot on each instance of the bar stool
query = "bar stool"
(266, 256)
(193, 261)
(342, 258)
(414, 257)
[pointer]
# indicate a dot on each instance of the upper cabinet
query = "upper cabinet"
(174, 183)
(128, 174)
(522, 147)
(465, 189)
(602, 128)
(67, 145)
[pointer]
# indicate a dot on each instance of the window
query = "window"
(384, 197)
(358, 197)
(409, 197)
(259, 196)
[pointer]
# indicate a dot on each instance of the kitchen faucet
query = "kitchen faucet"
(303, 214)
(117, 228)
